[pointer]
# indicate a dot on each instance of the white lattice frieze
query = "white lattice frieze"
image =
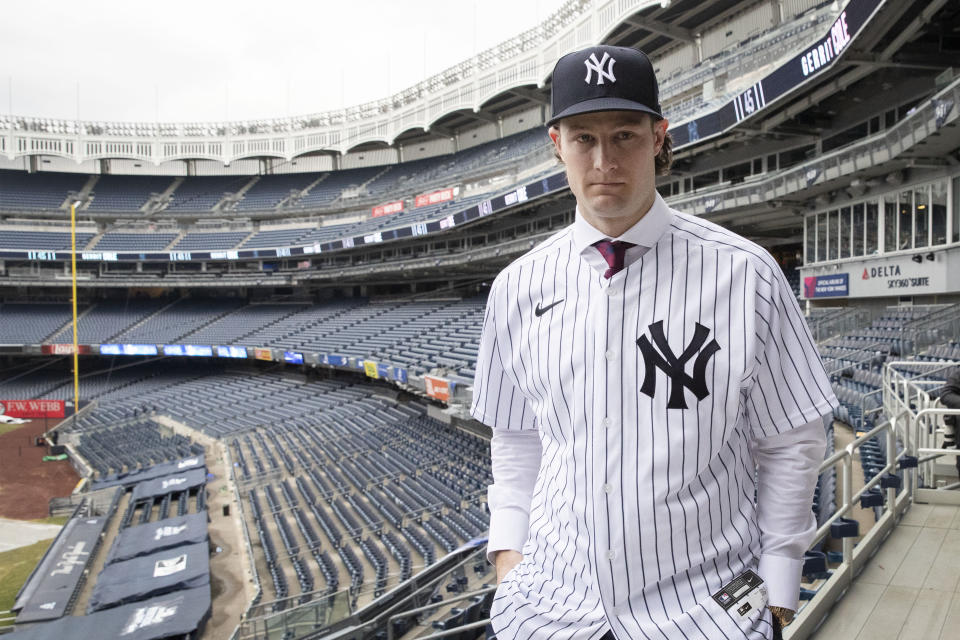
(524, 60)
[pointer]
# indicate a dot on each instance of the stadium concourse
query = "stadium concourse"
(279, 321)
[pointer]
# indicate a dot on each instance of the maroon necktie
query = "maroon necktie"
(613, 252)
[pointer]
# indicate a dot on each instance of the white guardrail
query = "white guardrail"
(909, 421)
(908, 393)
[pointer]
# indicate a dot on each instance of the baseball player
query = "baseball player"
(644, 372)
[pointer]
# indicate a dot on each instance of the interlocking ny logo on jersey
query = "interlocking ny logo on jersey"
(593, 64)
(675, 366)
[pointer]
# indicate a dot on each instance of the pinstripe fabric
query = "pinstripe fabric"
(639, 511)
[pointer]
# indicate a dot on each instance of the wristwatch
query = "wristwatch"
(783, 615)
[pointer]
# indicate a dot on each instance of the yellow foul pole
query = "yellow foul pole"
(73, 277)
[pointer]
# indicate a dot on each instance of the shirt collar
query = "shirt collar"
(646, 232)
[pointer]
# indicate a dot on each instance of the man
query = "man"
(636, 369)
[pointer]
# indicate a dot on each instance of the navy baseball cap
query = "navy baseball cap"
(603, 78)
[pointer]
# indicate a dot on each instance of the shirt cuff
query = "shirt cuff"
(509, 527)
(782, 576)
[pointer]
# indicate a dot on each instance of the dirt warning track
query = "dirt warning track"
(26, 482)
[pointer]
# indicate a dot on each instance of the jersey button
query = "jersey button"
(607, 423)
(608, 488)
(610, 354)
(611, 554)
(611, 291)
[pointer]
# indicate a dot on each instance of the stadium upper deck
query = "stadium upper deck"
(779, 128)
(689, 39)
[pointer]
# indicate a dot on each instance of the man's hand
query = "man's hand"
(504, 561)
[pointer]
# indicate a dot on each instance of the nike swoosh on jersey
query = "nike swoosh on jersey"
(539, 312)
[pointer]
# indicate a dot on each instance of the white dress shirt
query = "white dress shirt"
(629, 508)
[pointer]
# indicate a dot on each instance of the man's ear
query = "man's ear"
(659, 132)
(554, 133)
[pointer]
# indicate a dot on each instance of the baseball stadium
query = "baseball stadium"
(238, 358)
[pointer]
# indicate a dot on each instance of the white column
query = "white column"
(881, 234)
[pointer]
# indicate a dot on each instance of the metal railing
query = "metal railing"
(248, 546)
(431, 608)
(854, 556)
(824, 326)
(872, 151)
(934, 328)
(910, 414)
(337, 615)
(908, 393)
(908, 424)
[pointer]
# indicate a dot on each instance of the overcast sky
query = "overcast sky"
(201, 60)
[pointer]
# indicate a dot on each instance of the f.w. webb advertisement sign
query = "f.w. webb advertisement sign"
(899, 276)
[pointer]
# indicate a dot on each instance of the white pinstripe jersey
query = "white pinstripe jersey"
(644, 502)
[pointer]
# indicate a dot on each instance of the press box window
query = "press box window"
(938, 212)
(858, 230)
(873, 227)
(845, 229)
(906, 220)
(821, 237)
(890, 217)
(921, 217)
(955, 207)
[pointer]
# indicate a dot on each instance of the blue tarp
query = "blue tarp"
(169, 616)
(50, 589)
(157, 536)
(169, 484)
(152, 575)
(156, 471)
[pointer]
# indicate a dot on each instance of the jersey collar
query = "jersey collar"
(646, 232)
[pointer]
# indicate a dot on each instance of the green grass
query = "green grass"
(7, 428)
(15, 568)
(57, 520)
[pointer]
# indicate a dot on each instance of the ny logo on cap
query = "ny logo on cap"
(593, 64)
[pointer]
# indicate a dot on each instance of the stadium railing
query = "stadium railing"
(906, 476)
(426, 609)
(908, 396)
(854, 556)
(248, 546)
(872, 151)
(934, 328)
(824, 325)
(334, 616)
